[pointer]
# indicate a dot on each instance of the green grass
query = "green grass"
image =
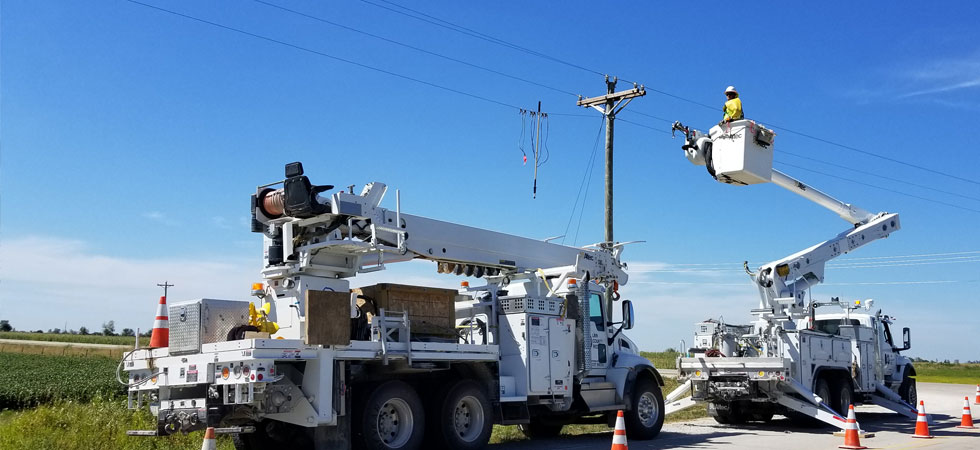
(30, 380)
(98, 424)
(930, 372)
(77, 338)
(662, 360)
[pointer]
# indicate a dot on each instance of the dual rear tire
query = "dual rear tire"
(394, 417)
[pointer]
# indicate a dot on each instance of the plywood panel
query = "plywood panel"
(327, 318)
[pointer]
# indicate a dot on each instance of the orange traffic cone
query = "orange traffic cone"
(161, 328)
(976, 401)
(619, 434)
(967, 421)
(921, 424)
(851, 438)
(209, 442)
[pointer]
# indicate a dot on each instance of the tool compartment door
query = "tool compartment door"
(561, 333)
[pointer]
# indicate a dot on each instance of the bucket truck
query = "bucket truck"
(533, 346)
(792, 360)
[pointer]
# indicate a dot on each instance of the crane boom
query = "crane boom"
(317, 242)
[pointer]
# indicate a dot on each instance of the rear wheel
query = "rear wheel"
(845, 394)
(465, 417)
(725, 413)
(646, 418)
(393, 418)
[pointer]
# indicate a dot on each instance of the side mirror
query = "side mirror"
(906, 338)
(628, 315)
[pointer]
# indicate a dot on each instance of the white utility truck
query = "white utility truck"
(792, 360)
(315, 364)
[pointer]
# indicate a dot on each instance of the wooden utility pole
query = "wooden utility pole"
(610, 105)
(165, 285)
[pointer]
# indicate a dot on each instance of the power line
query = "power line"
(970, 257)
(418, 15)
(644, 126)
(974, 252)
(421, 16)
(886, 158)
(326, 55)
(841, 166)
(412, 47)
(882, 188)
(586, 182)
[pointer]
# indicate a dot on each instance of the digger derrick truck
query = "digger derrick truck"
(792, 360)
(536, 345)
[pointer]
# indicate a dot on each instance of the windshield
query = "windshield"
(832, 326)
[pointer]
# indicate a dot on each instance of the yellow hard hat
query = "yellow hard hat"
(731, 89)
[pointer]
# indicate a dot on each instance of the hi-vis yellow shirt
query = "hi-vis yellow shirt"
(733, 109)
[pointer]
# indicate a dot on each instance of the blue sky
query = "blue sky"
(132, 138)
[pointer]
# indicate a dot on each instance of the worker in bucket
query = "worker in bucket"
(733, 107)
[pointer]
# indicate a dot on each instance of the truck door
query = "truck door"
(885, 347)
(596, 324)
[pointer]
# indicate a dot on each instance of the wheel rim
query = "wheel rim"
(468, 419)
(913, 396)
(647, 409)
(395, 423)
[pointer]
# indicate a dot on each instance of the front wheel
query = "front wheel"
(907, 389)
(393, 418)
(466, 420)
(645, 419)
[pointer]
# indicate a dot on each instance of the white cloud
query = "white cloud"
(160, 217)
(47, 281)
(940, 81)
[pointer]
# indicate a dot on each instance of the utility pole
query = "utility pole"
(610, 105)
(165, 285)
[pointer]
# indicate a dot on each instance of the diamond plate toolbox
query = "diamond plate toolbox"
(203, 321)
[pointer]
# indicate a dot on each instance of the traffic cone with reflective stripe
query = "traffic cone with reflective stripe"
(967, 421)
(161, 327)
(619, 434)
(851, 438)
(976, 401)
(921, 424)
(209, 442)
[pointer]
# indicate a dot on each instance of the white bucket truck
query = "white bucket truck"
(792, 359)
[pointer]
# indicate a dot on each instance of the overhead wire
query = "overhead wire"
(490, 100)
(894, 191)
(325, 55)
(468, 31)
(499, 41)
(878, 261)
(863, 172)
(584, 185)
(412, 47)
(421, 16)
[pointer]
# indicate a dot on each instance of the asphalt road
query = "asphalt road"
(943, 401)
